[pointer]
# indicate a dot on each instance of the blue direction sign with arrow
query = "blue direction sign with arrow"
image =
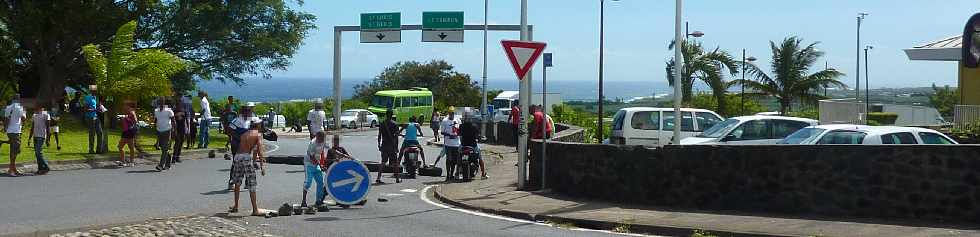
(348, 182)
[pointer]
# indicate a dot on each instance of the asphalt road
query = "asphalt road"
(83, 198)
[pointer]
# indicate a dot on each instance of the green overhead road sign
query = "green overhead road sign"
(442, 20)
(381, 27)
(442, 27)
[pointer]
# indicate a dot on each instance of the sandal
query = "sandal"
(232, 210)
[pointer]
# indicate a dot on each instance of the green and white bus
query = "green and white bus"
(405, 103)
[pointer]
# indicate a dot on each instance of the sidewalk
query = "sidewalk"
(98, 161)
(498, 195)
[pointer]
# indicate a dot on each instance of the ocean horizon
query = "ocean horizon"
(285, 89)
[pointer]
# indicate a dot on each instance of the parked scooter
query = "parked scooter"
(468, 164)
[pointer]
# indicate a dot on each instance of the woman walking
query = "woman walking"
(129, 130)
(434, 125)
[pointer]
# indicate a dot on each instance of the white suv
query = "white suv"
(868, 135)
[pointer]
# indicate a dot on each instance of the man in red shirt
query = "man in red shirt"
(515, 122)
(539, 119)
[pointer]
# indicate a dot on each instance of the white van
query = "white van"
(655, 126)
(750, 130)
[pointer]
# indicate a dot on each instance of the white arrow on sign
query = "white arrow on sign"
(356, 181)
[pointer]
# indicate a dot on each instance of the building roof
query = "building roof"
(946, 49)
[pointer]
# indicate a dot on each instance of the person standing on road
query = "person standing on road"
(316, 117)
(129, 131)
(39, 131)
(14, 116)
(90, 105)
(247, 159)
(434, 125)
(181, 128)
(515, 123)
(449, 127)
(188, 106)
(470, 134)
(164, 118)
(316, 152)
(227, 116)
(388, 144)
(204, 139)
(239, 126)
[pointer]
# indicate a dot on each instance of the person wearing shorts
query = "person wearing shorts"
(14, 116)
(55, 130)
(246, 161)
(128, 138)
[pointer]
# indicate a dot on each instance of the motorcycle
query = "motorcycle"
(469, 164)
(412, 162)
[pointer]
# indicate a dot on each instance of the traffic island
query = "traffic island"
(499, 196)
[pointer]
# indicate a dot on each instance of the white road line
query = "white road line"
(274, 149)
(408, 190)
(425, 190)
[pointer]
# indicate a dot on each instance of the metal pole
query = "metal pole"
(483, 104)
(867, 86)
(826, 66)
(337, 37)
(602, 22)
(857, 79)
(742, 110)
(544, 125)
(679, 65)
(525, 101)
(687, 30)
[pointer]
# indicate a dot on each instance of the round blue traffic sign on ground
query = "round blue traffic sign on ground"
(348, 182)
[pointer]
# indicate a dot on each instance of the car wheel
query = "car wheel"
(374, 123)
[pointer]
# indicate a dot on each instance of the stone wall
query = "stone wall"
(504, 134)
(920, 182)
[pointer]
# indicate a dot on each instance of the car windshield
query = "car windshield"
(348, 113)
(720, 129)
(803, 136)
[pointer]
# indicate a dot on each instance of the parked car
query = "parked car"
(750, 130)
(655, 126)
(868, 135)
(356, 118)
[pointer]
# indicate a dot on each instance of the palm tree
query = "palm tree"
(707, 66)
(791, 78)
(126, 74)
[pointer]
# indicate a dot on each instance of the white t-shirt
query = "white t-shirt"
(316, 118)
(205, 108)
(163, 119)
(245, 123)
(313, 152)
(41, 124)
(448, 126)
(15, 117)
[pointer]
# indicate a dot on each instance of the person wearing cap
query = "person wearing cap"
(14, 116)
(449, 128)
(316, 117)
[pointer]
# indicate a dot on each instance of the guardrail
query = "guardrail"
(966, 114)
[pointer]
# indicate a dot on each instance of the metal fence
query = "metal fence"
(841, 111)
(966, 114)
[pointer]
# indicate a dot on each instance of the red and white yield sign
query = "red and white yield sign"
(522, 55)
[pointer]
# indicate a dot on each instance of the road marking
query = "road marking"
(274, 149)
(392, 194)
(504, 218)
(408, 190)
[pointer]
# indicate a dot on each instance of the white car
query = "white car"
(750, 130)
(868, 135)
(356, 118)
(655, 126)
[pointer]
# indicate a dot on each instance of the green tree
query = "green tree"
(733, 101)
(791, 79)
(223, 40)
(128, 74)
(449, 88)
(707, 66)
(944, 99)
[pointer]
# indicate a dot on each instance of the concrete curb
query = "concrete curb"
(597, 224)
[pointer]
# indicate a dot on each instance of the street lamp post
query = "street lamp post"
(867, 84)
(679, 63)
(688, 33)
(602, 25)
(483, 104)
(857, 79)
(744, 62)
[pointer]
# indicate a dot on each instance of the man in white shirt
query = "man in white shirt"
(14, 116)
(205, 137)
(316, 117)
(39, 132)
(449, 128)
(164, 117)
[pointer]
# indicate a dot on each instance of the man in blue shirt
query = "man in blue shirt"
(90, 105)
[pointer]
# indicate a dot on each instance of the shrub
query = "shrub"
(882, 118)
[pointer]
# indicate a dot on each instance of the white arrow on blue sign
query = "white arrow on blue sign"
(348, 182)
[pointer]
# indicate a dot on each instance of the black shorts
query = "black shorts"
(14, 142)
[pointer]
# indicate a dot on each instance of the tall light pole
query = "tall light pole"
(679, 64)
(602, 27)
(857, 79)
(483, 104)
(867, 85)
(744, 66)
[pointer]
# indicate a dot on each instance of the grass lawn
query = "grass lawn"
(74, 143)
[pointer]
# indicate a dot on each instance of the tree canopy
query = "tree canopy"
(133, 74)
(223, 40)
(791, 78)
(449, 88)
(708, 66)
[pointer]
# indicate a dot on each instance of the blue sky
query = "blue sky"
(637, 32)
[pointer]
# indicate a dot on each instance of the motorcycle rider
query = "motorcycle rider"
(470, 134)
(412, 132)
